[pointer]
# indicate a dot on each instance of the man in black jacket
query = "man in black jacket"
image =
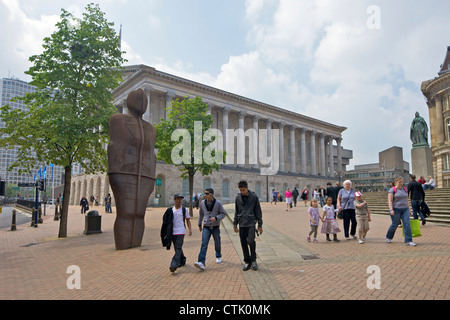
(173, 231)
(417, 196)
(247, 214)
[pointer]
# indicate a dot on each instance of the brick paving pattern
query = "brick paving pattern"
(33, 263)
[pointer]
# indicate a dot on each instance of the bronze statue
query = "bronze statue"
(419, 131)
(132, 166)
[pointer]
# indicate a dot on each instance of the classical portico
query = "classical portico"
(308, 150)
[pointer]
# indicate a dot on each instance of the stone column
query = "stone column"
(322, 154)
(303, 150)
(439, 120)
(331, 156)
(209, 110)
(293, 157)
(281, 148)
(255, 143)
(339, 155)
(313, 153)
(123, 104)
(170, 96)
(269, 137)
(225, 112)
(241, 140)
(148, 114)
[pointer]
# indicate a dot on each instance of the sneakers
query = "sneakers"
(388, 240)
(218, 260)
(253, 265)
(412, 244)
(199, 265)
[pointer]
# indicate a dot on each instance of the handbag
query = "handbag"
(340, 214)
(415, 228)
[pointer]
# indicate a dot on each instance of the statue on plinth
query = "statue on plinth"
(132, 167)
(419, 132)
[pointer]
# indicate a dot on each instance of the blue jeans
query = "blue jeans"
(415, 204)
(206, 235)
(403, 215)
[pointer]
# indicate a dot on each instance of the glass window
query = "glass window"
(447, 162)
(225, 189)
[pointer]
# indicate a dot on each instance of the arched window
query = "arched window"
(206, 183)
(225, 189)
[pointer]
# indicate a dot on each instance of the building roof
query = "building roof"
(445, 67)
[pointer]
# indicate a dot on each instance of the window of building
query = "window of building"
(448, 129)
(446, 162)
(225, 189)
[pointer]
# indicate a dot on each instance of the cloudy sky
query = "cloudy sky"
(354, 63)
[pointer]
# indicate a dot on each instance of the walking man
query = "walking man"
(173, 231)
(417, 196)
(210, 214)
(247, 214)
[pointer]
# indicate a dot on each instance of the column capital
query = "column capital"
(256, 117)
(147, 88)
(242, 114)
(226, 109)
(281, 124)
(170, 94)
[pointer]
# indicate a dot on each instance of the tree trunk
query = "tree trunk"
(191, 189)
(66, 200)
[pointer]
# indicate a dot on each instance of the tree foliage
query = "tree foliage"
(183, 115)
(67, 117)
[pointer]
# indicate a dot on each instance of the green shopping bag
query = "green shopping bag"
(415, 228)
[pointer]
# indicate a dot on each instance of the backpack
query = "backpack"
(395, 189)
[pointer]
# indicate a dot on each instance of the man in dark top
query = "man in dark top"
(417, 196)
(332, 192)
(248, 213)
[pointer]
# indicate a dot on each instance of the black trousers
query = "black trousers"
(178, 259)
(349, 216)
(247, 235)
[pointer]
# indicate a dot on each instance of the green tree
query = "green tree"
(187, 141)
(68, 114)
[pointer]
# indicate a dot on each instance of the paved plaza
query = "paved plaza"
(35, 264)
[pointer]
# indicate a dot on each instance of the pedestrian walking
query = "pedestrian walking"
(108, 208)
(247, 214)
(274, 196)
(345, 203)
(399, 211)
(210, 214)
(288, 196)
(329, 225)
(362, 216)
(84, 204)
(173, 231)
(304, 195)
(314, 217)
(295, 195)
(417, 196)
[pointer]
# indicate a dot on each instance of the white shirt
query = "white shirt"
(178, 224)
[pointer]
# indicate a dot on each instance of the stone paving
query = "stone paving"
(34, 263)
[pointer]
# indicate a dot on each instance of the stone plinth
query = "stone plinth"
(422, 162)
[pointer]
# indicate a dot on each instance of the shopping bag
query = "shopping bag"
(415, 228)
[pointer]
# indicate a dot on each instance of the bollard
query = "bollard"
(56, 217)
(13, 222)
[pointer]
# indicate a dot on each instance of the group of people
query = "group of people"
(355, 211)
(247, 222)
(351, 208)
(84, 203)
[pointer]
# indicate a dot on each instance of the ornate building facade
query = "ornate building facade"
(309, 150)
(437, 93)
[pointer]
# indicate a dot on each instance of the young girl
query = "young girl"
(329, 221)
(314, 217)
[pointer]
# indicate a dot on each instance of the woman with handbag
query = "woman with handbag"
(345, 203)
(399, 211)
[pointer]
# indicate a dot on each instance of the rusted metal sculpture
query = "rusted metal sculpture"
(132, 166)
